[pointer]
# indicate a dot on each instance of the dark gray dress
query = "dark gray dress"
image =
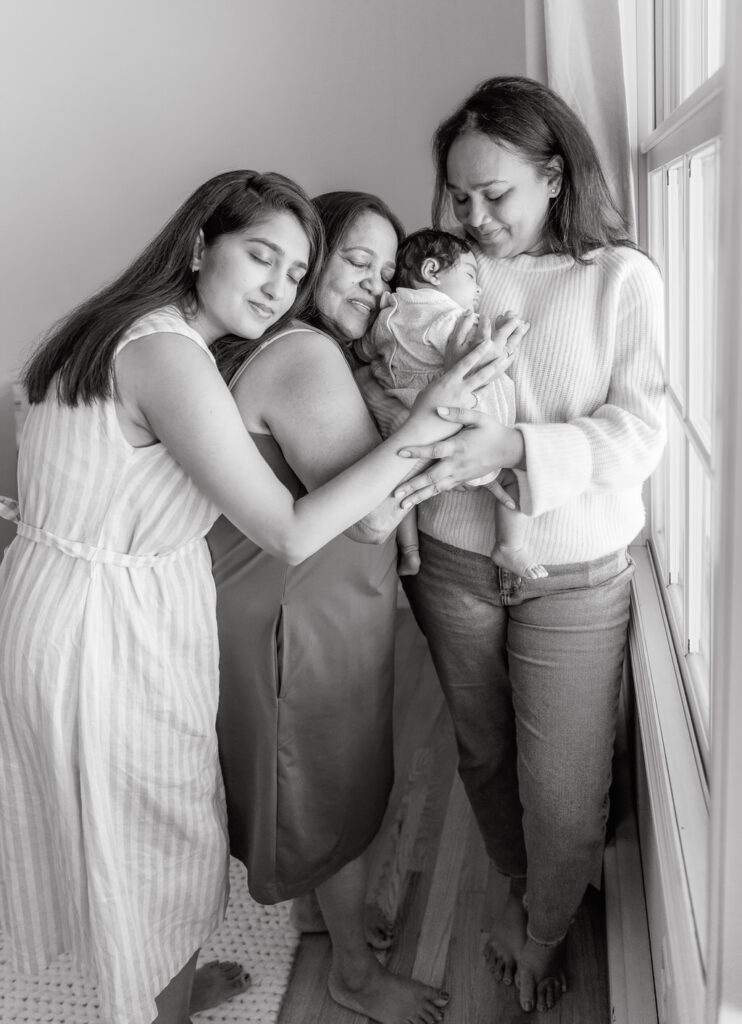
(305, 709)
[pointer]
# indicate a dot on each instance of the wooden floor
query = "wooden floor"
(429, 872)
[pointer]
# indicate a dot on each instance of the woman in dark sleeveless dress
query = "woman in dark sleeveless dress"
(306, 652)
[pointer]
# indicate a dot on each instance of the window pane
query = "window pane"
(692, 35)
(675, 278)
(657, 215)
(702, 280)
(714, 36)
(676, 496)
(699, 591)
(693, 47)
(658, 520)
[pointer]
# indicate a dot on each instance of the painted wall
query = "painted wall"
(112, 113)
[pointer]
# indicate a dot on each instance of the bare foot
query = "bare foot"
(379, 930)
(518, 561)
(507, 939)
(541, 978)
(372, 991)
(216, 982)
(409, 562)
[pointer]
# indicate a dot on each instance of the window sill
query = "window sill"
(675, 840)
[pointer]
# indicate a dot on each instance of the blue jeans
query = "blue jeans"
(531, 671)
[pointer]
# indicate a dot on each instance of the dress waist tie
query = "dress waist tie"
(89, 552)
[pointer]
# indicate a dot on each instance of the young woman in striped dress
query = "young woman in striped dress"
(531, 669)
(113, 846)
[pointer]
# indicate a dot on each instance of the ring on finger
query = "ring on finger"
(508, 351)
(475, 396)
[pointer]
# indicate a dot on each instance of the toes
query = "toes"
(231, 970)
(545, 997)
(547, 994)
(501, 966)
(435, 1003)
(527, 985)
(549, 991)
(535, 572)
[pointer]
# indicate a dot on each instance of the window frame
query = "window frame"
(713, 980)
(669, 714)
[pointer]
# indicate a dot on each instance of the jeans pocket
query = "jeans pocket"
(614, 573)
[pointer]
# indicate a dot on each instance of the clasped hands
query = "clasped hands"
(479, 443)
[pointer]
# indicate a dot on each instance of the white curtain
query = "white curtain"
(585, 65)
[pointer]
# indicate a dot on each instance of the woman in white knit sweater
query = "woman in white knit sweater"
(531, 669)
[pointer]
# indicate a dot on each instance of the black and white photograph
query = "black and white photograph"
(370, 490)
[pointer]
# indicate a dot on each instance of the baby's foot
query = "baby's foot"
(409, 561)
(306, 917)
(380, 931)
(541, 979)
(216, 982)
(518, 561)
(506, 940)
(372, 991)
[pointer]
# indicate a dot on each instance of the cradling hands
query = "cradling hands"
(482, 446)
(458, 386)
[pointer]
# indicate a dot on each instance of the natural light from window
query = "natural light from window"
(683, 200)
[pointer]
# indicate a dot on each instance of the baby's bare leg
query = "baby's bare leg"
(408, 546)
(510, 551)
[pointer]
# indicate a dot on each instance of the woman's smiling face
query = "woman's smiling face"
(355, 276)
(246, 280)
(499, 196)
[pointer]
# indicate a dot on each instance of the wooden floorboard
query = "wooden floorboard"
(428, 865)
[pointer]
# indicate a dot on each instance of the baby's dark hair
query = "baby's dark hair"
(429, 243)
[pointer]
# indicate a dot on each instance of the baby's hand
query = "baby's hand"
(509, 331)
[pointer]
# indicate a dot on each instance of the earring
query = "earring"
(553, 191)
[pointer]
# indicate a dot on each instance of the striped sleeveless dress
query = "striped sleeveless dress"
(113, 839)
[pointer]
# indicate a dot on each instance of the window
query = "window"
(684, 213)
(683, 156)
(679, 212)
(689, 42)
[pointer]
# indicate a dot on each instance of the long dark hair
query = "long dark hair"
(79, 349)
(533, 120)
(338, 211)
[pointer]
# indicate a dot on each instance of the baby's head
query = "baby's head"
(436, 259)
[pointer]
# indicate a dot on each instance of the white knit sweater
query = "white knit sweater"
(589, 403)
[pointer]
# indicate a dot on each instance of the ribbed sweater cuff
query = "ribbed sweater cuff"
(558, 466)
